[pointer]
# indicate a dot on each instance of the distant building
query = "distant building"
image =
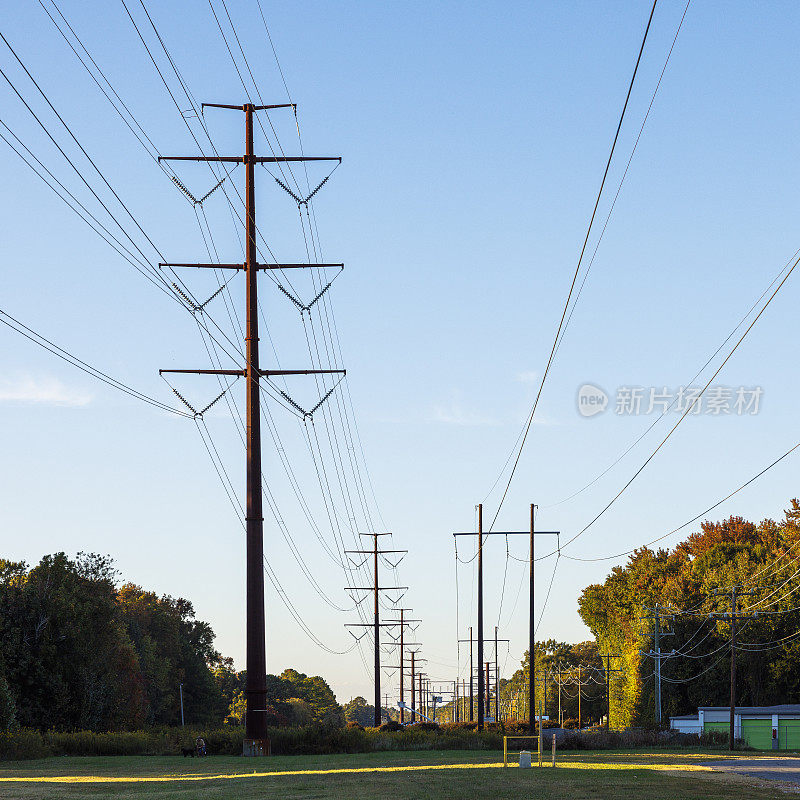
(761, 727)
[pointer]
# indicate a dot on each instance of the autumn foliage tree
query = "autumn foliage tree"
(718, 556)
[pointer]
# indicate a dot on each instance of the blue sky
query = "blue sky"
(474, 138)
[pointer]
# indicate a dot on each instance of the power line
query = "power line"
(666, 410)
(688, 409)
(577, 268)
(693, 519)
(65, 355)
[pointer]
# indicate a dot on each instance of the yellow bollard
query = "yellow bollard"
(540, 734)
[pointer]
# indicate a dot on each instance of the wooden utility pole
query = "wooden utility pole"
(659, 617)
(735, 593)
(256, 741)
(608, 669)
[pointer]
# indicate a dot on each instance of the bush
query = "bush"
(391, 726)
(356, 725)
(320, 739)
(22, 744)
(459, 726)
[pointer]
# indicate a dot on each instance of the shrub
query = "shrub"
(22, 744)
(320, 739)
(391, 726)
(356, 725)
(459, 726)
(514, 727)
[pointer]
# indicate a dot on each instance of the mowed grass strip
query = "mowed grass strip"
(370, 776)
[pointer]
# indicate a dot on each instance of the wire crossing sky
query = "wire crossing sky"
(472, 144)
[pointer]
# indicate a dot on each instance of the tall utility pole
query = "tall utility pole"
(496, 680)
(559, 694)
(376, 624)
(414, 662)
(531, 619)
(256, 741)
(658, 617)
(413, 699)
(480, 670)
(608, 658)
(471, 680)
(481, 709)
(735, 593)
(400, 641)
(488, 690)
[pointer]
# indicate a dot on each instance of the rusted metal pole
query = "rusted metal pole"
(488, 690)
(413, 690)
(481, 688)
(732, 731)
(402, 628)
(377, 642)
(471, 680)
(531, 637)
(496, 680)
(256, 690)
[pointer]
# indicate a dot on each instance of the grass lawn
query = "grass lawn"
(369, 776)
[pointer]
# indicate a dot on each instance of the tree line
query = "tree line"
(81, 651)
(734, 552)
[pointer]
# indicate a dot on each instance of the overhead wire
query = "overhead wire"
(529, 422)
(82, 365)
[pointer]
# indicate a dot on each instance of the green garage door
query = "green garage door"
(716, 726)
(789, 734)
(757, 733)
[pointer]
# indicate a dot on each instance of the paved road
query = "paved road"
(768, 768)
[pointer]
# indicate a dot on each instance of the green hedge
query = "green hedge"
(308, 739)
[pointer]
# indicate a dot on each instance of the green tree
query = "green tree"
(721, 554)
(358, 710)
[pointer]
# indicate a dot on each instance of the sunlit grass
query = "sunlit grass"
(369, 776)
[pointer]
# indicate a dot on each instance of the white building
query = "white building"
(762, 727)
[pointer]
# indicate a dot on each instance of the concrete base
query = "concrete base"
(256, 747)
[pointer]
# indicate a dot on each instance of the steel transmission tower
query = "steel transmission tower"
(256, 741)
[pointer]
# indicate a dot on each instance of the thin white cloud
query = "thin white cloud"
(41, 390)
(455, 414)
(528, 376)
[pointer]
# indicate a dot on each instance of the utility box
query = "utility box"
(525, 759)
